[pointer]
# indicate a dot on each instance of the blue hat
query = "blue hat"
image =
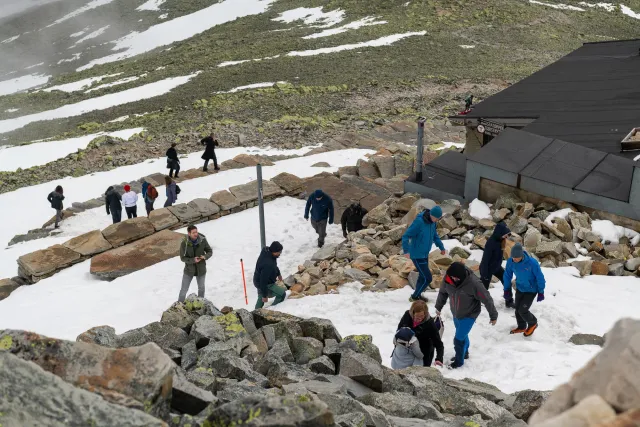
(436, 212)
(318, 194)
(517, 251)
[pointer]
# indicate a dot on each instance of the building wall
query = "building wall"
(473, 141)
(477, 171)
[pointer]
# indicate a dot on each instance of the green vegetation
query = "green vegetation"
(6, 342)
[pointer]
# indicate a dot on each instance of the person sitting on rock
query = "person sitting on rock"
(406, 351)
(55, 198)
(416, 245)
(113, 203)
(529, 283)
(491, 264)
(267, 274)
(321, 207)
(417, 318)
(352, 218)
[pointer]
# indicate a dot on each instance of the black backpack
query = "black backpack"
(178, 190)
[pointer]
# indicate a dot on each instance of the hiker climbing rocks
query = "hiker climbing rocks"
(194, 252)
(406, 351)
(491, 264)
(112, 202)
(267, 274)
(321, 207)
(173, 163)
(130, 200)
(417, 319)
(416, 245)
(465, 292)
(529, 283)
(55, 198)
(171, 190)
(149, 194)
(468, 102)
(352, 218)
(210, 152)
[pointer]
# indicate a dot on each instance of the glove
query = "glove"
(508, 295)
(540, 297)
(306, 218)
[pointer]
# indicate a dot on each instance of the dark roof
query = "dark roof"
(590, 97)
(559, 162)
(446, 173)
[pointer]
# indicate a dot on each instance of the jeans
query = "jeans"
(461, 340)
(523, 303)
(499, 273)
(424, 278)
(116, 216)
(274, 291)
(321, 228)
(168, 203)
(186, 282)
(132, 211)
(149, 206)
(59, 216)
(215, 163)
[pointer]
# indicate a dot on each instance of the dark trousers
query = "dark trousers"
(499, 273)
(321, 229)
(424, 276)
(132, 211)
(215, 162)
(524, 317)
(116, 216)
(177, 169)
(149, 206)
(168, 203)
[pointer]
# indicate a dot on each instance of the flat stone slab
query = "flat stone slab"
(88, 244)
(204, 206)
(184, 212)
(162, 219)
(191, 174)
(340, 191)
(127, 231)
(249, 192)
(66, 214)
(249, 160)
(288, 182)
(41, 263)
(155, 179)
(137, 255)
(6, 287)
(225, 200)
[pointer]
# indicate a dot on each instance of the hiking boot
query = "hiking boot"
(216, 168)
(466, 357)
(530, 330)
(205, 170)
(517, 331)
(412, 299)
(454, 365)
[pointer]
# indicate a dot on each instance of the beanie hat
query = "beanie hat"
(436, 212)
(275, 247)
(457, 270)
(127, 188)
(517, 251)
(317, 194)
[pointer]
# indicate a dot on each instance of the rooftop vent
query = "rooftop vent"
(631, 142)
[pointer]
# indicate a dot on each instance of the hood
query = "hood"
(500, 230)
(318, 194)
(109, 190)
(426, 216)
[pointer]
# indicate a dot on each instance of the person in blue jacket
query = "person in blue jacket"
(491, 264)
(529, 283)
(321, 207)
(416, 245)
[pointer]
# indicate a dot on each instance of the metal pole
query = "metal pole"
(263, 239)
(421, 121)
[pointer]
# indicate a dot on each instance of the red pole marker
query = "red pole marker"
(244, 282)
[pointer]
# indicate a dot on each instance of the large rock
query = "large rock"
(185, 213)
(584, 267)
(136, 256)
(320, 329)
(306, 349)
(580, 220)
(34, 397)
(531, 239)
(599, 268)
(395, 234)
(88, 244)
(402, 405)
(586, 339)
(127, 231)
(225, 200)
(518, 224)
(101, 335)
(291, 184)
(418, 206)
(365, 262)
(187, 398)
(386, 166)
(205, 207)
(527, 402)
(508, 201)
(563, 226)
(40, 264)
(367, 169)
(246, 193)
(162, 219)
(206, 329)
(362, 344)
(325, 253)
(7, 286)
(361, 368)
(249, 160)
(549, 248)
(183, 315)
(381, 214)
(164, 335)
(404, 203)
(322, 365)
(138, 377)
(341, 405)
(592, 411)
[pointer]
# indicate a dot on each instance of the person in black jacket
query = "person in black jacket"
(352, 218)
(113, 203)
(173, 163)
(266, 275)
(491, 264)
(418, 319)
(210, 152)
(56, 198)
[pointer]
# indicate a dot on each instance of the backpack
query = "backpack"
(152, 193)
(178, 189)
(439, 324)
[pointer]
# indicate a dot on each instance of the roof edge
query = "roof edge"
(612, 41)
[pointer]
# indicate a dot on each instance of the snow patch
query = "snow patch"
(364, 22)
(251, 86)
(467, 46)
(562, 213)
(163, 16)
(11, 110)
(609, 7)
(22, 83)
(34, 66)
(382, 41)
(92, 35)
(151, 5)
(80, 84)
(312, 15)
(119, 119)
(558, 6)
(627, 11)
(479, 209)
(116, 83)
(79, 33)
(89, 6)
(448, 144)
(75, 57)
(10, 39)
(611, 233)
(99, 103)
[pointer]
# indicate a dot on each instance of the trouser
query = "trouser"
(186, 282)
(132, 211)
(215, 163)
(499, 273)
(177, 169)
(149, 206)
(274, 291)
(59, 216)
(116, 216)
(461, 339)
(424, 276)
(321, 229)
(523, 303)
(168, 203)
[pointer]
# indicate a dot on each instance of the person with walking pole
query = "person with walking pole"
(267, 274)
(194, 252)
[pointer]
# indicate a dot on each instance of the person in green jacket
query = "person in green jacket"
(194, 252)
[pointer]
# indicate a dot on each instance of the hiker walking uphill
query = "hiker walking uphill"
(416, 245)
(529, 283)
(130, 200)
(112, 202)
(149, 194)
(194, 252)
(352, 218)
(210, 152)
(491, 264)
(465, 292)
(173, 163)
(267, 274)
(417, 319)
(321, 207)
(172, 190)
(55, 198)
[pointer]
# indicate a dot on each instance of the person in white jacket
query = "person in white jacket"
(130, 200)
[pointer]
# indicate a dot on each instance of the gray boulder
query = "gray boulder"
(402, 405)
(101, 335)
(280, 373)
(352, 419)
(187, 398)
(325, 253)
(163, 334)
(362, 369)
(508, 201)
(506, 420)
(340, 405)
(203, 378)
(234, 391)
(189, 356)
(306, 349)
(549, 248)
(518, 224)
(527, 402)
(322, 365)
(320, 329)
(587, 339)
(183, 315)
(362, 344)
(206, 329)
